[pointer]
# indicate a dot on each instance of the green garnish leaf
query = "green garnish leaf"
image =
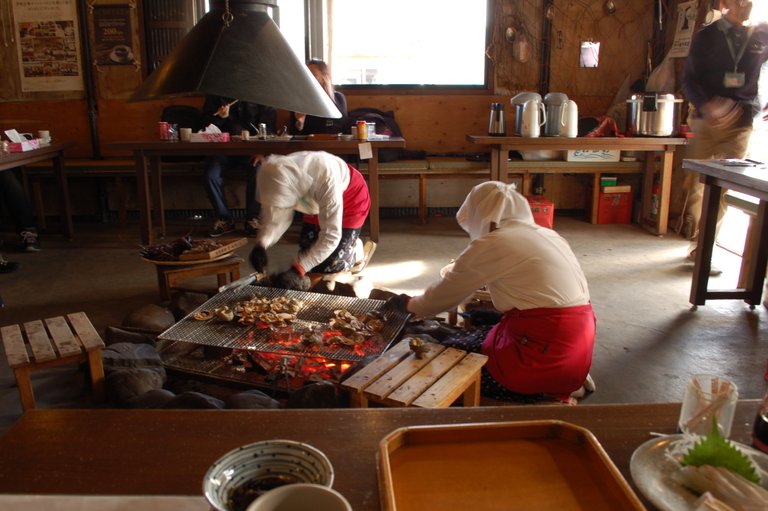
(717, 451)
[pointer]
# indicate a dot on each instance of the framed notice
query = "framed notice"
(113, 41)
(686, 23)
(48, 45)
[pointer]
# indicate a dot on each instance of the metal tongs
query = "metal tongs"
(240, 283)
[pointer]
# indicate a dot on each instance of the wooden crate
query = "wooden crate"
(399, 377)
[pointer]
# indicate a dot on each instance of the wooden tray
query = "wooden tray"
(542, 465)
(227, 246)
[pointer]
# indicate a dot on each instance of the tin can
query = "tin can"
(163, 130)
(362, 130)
(263, 131)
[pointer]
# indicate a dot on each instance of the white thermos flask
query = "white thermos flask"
(571, 119)
(534, 117)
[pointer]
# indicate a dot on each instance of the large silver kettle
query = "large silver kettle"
(518, 103)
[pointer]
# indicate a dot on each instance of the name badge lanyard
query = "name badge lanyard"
(736, 79)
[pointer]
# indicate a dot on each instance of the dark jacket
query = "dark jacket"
(709, 59)
(314, 124)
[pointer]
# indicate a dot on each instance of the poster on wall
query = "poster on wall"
(112, 35)
(686, 23)
(48, 45)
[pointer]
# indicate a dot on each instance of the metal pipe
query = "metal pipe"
(90, 89)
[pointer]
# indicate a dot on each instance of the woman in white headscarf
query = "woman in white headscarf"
(334, 199)
(544, 340)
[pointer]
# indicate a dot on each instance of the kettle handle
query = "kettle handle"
(564, 114)
(543, 114)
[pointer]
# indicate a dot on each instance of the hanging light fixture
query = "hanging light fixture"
(237, 51)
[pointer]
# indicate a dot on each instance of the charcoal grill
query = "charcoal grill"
(316, 311)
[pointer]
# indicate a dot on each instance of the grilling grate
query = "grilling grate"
(316, 311)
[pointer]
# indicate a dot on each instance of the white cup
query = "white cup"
(301, 497)
(708, 397)
(185, 134)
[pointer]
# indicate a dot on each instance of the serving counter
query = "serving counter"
(665, 147)
(167, 452)
(149, 168)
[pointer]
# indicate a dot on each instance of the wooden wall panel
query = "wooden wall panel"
(431, 122)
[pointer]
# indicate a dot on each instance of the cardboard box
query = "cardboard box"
(26, 145)
(593, 155)
(209, 137)
(614, 208)
(543, 210)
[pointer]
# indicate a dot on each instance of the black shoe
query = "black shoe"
(221, 227)
(8, 266)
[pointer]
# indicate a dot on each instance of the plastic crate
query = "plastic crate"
(543, 210)
(614, 208)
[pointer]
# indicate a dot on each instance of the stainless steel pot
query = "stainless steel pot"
(653, 115)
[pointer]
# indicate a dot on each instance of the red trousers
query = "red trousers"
(542, 350)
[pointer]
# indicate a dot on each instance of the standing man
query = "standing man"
(233, 116)
(721, 82)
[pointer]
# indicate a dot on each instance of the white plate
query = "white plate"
(652, 470)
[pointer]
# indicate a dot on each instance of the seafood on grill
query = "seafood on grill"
(274, 312)
(353, 330)
(203, 315)
(224, 313)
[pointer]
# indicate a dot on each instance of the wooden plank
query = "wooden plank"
(396, 376)
(370, 373)
(39, 342)
(409, 391)
(84, 329)
(13, 342)
(65, 341)
(453, 384)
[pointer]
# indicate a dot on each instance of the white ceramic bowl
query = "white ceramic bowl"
(301, 497)
(269, 461)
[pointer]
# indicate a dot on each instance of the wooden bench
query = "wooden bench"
(169, 277)
(116, 169)
(433, 380)
(37, 345)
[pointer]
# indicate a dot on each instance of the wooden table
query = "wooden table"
(55, 153)
(148, 167)
(752, 180)
(167, 452)
(501, 146)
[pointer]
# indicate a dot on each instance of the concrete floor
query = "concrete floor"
(649, 342)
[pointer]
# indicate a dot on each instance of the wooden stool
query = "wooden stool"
(169, 277)
(436, 380)
(62, 343)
